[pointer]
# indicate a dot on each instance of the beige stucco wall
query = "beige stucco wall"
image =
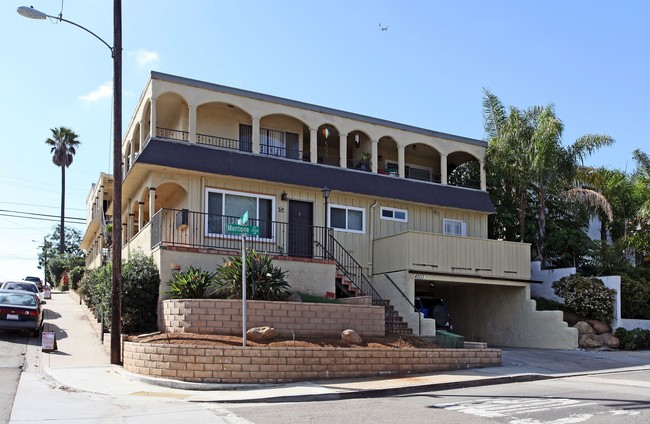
(504, 316)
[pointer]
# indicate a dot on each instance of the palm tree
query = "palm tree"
(63, 144)
(527, 152)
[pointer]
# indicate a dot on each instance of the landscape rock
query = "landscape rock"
(590, 341)
(611, 341)
(294, 297)
(599, 326)
(351, 337)
(571, 317)
(261, 334)
(584, 328)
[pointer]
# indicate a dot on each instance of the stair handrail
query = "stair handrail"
(357, 278)
(415, 309)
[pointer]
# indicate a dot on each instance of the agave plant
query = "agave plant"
(264, 281)
(193, 283)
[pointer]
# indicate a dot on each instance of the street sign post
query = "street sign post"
(240, 228)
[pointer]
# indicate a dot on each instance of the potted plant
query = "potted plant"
(364, 163)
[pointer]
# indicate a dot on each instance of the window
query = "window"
(454, 227)
(392, 214)
(346, 218)
(225, 207)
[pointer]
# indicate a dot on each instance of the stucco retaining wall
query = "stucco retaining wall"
(258, 365)
(217, 316)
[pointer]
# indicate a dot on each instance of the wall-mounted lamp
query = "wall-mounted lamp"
(284, 196)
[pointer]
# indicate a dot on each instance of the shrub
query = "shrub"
(544, 304)
(312, 298)
(633, 339)
(76, 274)
(587, 296)
(140, 287)
(264, 281)
(192, 284)
(635, 297)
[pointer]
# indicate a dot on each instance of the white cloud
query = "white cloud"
(146, 58)
(103, 91)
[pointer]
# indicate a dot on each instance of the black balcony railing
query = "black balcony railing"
(173, 134)
(362, 165)
(329, 160)
(174, 227)
(283, 152)
(464, 182)
(211, 140)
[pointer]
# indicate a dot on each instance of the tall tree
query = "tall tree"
(526, 150)
(63, 145)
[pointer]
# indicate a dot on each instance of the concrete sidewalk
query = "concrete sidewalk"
(81, 363)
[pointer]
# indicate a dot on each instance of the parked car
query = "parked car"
(36, 280)
(29, 286)
(21, 310)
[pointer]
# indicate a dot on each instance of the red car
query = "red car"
(21, 310)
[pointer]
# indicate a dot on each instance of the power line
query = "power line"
(40, 206)
(40, 216)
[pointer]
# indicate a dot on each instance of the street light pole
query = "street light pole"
(116, 53)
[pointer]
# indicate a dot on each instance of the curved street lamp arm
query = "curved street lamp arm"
(85, 29)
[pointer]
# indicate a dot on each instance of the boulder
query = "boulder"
(261, 334)
(590, 341)
(570, 317)
(351, 337)
(294, 297)
(584, 328)
(610, 340)
(599, 326)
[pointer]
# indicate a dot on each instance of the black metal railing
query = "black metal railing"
(173, 134)
(464, 182)
(212, 140)
(360, 164)
(353, 272)
(181, 227)
(283, 152)
(329, 160)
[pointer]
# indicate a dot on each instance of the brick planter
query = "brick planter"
(284, 364)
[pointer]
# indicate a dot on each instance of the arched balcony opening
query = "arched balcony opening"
(328, 145)
(224, 125)
(421, 162)
(463, 170)
(359, 151)
(126, 158)
(136, 142)
(146, 121)
(284, 136)
(172, 117)
(387, 153)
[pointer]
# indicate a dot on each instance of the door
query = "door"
(301, 235)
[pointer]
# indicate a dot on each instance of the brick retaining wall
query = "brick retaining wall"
(231, 364)
(216, 316)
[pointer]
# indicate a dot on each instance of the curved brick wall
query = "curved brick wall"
(284, 364)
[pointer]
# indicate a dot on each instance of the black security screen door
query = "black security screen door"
(301, 236)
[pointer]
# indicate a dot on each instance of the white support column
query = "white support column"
(483, 175)
(129, 229)
(313, 145)
(143, 131)
(443, 169)
(375, 157)
(256, 135)
(152, 202)
(140, 215)
(192, 123)
(401, 168)
(152, 128)
(343, 149)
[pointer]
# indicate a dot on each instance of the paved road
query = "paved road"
(593, 399)
(13, 346)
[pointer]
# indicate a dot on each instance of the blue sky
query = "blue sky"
(589, 58)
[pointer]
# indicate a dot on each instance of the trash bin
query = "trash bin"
(426, 312)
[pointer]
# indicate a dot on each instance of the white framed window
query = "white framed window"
(393, 214)
(347, 218)
(454, 227)
(224, 207)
